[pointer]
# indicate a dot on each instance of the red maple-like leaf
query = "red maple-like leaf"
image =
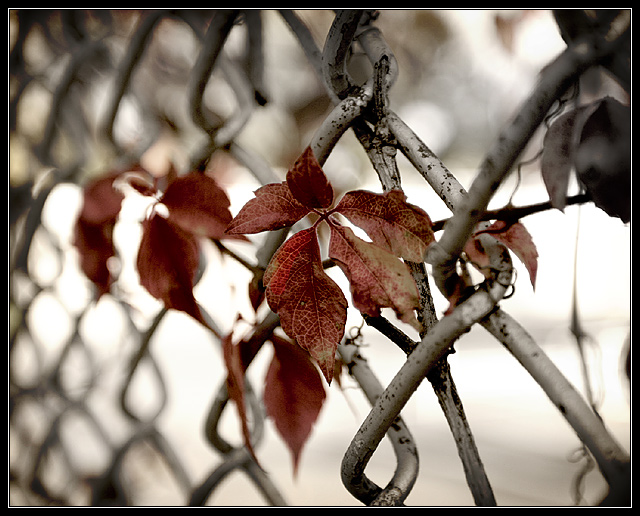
(293, 395)
(93, 231)
(392, 223)
(273, 207)
(311, 306)
(167, 262)
(308, 182)
(377, 278)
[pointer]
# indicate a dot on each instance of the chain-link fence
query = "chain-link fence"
(93, 411)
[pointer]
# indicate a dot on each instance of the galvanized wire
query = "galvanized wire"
(364, 109)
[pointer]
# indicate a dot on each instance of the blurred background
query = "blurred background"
(462, 76)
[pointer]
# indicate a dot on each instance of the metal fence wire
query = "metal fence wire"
(92, 91)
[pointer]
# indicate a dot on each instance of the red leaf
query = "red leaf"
(93, 232)
(101, 201)
(312, 308)
(167, 262)
(392, 223)
(273, 207)
(293, 395)
(518, 239)
(515, 237)
(235, 386)
(198, 205)
(308, 182)
(95, 247)
(377, 278)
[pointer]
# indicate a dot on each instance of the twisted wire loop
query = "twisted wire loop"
(236, 457)
(444, 255)
(361, 107)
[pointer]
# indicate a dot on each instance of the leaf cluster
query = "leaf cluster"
(311, 306)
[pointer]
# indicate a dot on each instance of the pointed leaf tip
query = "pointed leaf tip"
(293, 395)
(311, 306)
(308, 182)
(272, 208)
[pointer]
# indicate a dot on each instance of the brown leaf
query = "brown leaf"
(559, 151)
(235, 387)
(93, 231)
(515, 237)
(95, 248)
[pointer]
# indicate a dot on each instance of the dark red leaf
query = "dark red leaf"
(308, 182)
(101, 201)
(312, 308)
(390, 221)
(95, 247)
(293, 395)
(378, 279)
(167, 262)
(198, 205)
(273, 207)
(93, 232)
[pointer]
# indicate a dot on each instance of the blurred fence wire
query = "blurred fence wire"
(94, 90)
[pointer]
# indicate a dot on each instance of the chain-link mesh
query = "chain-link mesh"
(96, 91)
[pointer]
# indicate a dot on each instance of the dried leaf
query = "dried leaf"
(95, 248)
(308, 182)
(273, 207)
(390, 221)
(559, 152)
(311, 306)
(293, 395)
(101, 201)
(378, 279)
